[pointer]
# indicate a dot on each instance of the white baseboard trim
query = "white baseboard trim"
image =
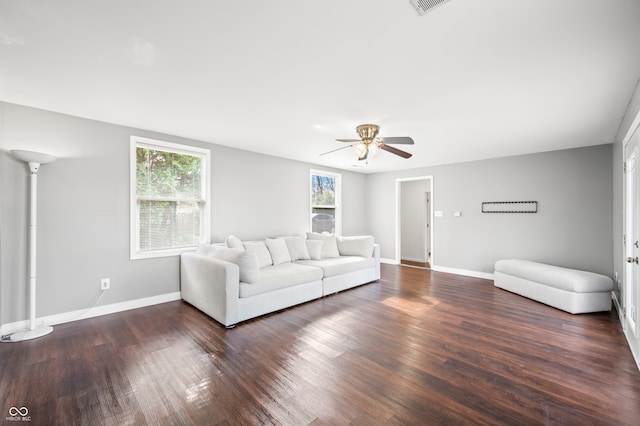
(388, 261)
(92, 312)
(633, 353)
(618, 307)
(465, 272)
(624, 327)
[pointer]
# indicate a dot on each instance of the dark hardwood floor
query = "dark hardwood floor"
(418, 347)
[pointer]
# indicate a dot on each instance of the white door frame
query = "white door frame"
(633, 336)
(399, 215)
(427, 231)
(630, 214)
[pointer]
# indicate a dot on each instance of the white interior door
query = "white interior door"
(412, 215)
(630, 287)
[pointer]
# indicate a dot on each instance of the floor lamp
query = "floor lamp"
(34, 159)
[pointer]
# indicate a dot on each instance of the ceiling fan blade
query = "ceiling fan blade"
(396, 151)
(405, 140)
(349, 140)
(337, 149)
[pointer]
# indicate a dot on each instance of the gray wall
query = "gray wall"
(257, 195)
(572, 227)
(83, 222)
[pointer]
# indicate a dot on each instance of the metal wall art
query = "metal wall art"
(510, 207)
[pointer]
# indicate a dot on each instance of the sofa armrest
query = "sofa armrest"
(211, 285)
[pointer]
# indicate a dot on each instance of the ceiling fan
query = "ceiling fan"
(370, 144)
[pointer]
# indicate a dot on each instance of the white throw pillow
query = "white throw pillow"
(314, 248)
(261, 250)
(330, 246)
(233, 242)
(278, 250)
(356, 246)
(297, 248)
(246, 261)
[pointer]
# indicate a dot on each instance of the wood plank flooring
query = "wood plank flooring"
(417, 347)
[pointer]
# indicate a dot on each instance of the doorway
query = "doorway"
(414, 219)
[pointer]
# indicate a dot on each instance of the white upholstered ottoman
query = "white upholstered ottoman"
(567, 289)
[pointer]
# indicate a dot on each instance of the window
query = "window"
(325, 202)
(169, 198)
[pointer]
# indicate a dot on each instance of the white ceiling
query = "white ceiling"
(469, 80)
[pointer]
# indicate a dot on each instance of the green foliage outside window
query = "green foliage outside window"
(167, 174)
(168, 188)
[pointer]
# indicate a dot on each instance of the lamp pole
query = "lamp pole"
(34, 159)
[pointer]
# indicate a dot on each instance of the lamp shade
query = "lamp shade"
(32, 157)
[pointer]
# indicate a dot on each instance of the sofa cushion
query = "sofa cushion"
(247, 261)
(355, 246)
(297, 247)
(281, 276)
(314, 247)
(278, 250)
(233, 242)
(330, 246)
(261, 250)
(340, 265)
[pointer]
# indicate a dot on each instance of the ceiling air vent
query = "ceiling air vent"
(424, 6)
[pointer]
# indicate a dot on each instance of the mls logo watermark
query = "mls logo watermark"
(18, 414)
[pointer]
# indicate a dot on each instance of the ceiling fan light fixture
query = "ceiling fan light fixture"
(361, 150)
(370, 144)
(374, 149)
(368, 132)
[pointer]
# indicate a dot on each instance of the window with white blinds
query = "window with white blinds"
(169, 198)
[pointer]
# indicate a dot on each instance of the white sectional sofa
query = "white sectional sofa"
(235, 281)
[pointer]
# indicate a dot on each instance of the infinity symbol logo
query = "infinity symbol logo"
(22, 411)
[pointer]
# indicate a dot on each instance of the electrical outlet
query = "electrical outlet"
(105, 284)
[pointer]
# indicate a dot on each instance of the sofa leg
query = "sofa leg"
(230, 326)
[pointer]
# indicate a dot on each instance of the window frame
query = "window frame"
(134, 223)
(337, 198)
